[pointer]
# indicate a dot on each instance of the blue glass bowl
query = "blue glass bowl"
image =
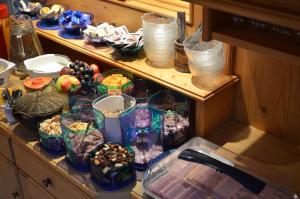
(115, 178)
(78, 145)
(74, 21)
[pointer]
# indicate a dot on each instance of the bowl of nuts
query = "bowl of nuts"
(112, 166)
(81, 135)
(51, 137)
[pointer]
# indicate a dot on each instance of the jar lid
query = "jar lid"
(3, 11)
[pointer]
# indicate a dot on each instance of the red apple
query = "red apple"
(64, 71)
(67, 84)
(95, 76)
(99, 78)
(95, 68)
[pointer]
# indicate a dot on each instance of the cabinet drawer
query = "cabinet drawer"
(5, 147)
(31, 190)
(44, 176)
(9, 185)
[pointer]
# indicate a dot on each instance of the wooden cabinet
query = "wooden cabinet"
(267, 27)
(5, 147)
(44, 176)
(31, 190)
(9, 186)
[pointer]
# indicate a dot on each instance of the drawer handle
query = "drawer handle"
(15, 195)
(47, 182)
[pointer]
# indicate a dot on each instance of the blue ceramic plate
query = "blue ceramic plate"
(42, 24)
(69, 35)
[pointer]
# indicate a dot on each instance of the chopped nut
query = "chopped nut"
(118, 165)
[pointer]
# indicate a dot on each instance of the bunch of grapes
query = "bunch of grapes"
(83, 72)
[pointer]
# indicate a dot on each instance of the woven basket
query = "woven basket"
(35, 107)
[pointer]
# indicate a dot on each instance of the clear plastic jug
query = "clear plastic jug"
(24, 43)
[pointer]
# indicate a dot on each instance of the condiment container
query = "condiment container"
(176, 117)
(111, 107)
(205, 175)
(112, 173)
(81, 134)
(141, 128)
(159, 36)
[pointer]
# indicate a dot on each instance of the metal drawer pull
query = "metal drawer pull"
(47, 182)
(15, 195)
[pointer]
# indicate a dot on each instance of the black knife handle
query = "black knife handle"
(250, 182)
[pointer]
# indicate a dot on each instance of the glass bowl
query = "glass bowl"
(51, 17)
(74, 25)
(176, 117)
(51, 141)
(79, 142)
(112, 174)
(126, 88)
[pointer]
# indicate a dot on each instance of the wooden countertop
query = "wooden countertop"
(21, 136)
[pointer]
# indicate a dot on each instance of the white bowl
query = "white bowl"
(48, 65)
(5, 74)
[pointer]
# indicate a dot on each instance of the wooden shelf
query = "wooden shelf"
(168, 77)
(279, 12)
(275, 160)
(260, 41)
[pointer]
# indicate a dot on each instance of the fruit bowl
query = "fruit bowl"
(81, 135)
(112, 173)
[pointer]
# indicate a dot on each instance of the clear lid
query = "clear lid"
(177, 178)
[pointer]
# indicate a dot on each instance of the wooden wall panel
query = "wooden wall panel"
(268, 94)
(114, 13)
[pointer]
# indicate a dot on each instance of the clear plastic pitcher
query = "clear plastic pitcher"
(24, 43)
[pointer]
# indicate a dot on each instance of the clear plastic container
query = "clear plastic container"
(111, 106)
(141, 128)
(176, 117)
(144, 90)
(113, 175)
(79, 142)
(159, 35)
(82, 100)
(177, 178)
(206, 60)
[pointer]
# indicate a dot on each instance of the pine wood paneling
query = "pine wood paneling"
(268, 94)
